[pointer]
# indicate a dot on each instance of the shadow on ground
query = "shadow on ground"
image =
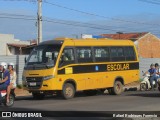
(131, 89)
(145, 94)
(55, 97)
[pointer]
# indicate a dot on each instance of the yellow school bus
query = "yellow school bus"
(66, 65)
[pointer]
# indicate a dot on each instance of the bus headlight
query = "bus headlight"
(48, 77)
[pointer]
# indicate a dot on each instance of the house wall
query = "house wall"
(148, 46)
(4, 39)
(144, 64)
(9, 38)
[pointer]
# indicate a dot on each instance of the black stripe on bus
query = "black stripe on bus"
(102, 68)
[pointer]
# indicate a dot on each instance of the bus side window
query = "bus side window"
(120, 52)
(84, 55)
(130, 53)
(101, 54)
(67, 57)
(117, 54)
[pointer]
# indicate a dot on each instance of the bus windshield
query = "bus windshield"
(43, 56)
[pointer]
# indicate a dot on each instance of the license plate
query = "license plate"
(32, 84)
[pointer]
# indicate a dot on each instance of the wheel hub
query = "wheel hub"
(69, 91)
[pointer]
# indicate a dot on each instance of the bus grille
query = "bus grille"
(34, 82)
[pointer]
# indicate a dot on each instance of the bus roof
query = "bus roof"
(88, 42)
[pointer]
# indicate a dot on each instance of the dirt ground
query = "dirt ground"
(22, 92)
(136, 83)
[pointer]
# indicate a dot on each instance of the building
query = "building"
(21, 49)
(11, 46)
(147, 44)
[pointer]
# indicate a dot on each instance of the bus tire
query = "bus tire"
(90, 92)
(117, 88)
(68, 91)
(38, 96)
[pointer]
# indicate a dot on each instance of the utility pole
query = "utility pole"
(39, 21)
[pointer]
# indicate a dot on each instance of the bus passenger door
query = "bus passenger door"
(68, 69)
(85, 67)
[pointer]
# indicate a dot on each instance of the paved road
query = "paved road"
(128, 101)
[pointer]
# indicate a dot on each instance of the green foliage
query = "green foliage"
(20, 86)
(141, 79)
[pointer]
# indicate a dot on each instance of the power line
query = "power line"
(83, 23)
(17, 18)
(73, 24)
(92, 14)
(78, 25)
(156, 2)
(19, 15)
(60, 22)
(96, 15)
(64, 22)
(18, 0)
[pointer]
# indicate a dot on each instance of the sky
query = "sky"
(71, 18)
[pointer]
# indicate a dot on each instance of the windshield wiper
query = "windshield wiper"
(41, 65)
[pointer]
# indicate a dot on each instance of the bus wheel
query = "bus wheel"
(90, 92)
(117, 88)
(38, 96)
(68, 91)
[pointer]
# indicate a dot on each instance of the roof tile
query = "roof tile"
(130, 36)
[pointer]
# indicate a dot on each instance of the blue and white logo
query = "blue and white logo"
(96, 68)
